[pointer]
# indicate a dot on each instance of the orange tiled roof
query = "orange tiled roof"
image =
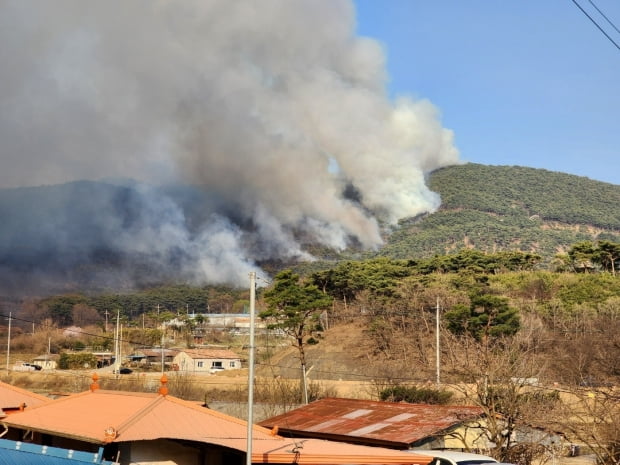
(12, 398)
(316, 452)
(132, 416)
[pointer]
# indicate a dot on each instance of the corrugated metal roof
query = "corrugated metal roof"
(158, 352)
(363, 421)
(18, 453)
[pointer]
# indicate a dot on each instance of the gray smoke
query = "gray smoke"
(273, 107)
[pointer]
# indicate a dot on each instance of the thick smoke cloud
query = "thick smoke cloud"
(275, 108)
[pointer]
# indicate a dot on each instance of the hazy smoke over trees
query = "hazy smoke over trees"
(275, 109)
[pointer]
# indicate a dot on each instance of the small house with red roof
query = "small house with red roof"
(394, 425)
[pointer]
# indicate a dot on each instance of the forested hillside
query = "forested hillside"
(494, 208)
(106, 235)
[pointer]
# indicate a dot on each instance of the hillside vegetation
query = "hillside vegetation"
(494, 208)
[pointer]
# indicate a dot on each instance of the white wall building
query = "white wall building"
(206, 360)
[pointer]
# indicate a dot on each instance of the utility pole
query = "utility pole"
(163, 365)
(437, 351)
(8, 345)
(49, 349)
(117, 362)
(304, 382)
(251, 369)
(163, 328)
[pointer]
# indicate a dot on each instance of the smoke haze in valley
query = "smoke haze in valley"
(274, 112)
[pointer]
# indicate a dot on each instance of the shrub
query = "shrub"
(77, 361)
(414, 395)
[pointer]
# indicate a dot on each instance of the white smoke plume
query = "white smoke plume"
(274, 107)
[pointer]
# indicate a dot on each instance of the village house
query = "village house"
(156, 356)
(235, 323)
(158, 429)
(206, 360)
(399, 425)
(46, 361)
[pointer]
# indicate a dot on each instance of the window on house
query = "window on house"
(216, 364)
(232, 365)
(200, 364)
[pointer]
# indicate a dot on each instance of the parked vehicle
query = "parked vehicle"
(446, 457)
(23, 366)
(123, 371)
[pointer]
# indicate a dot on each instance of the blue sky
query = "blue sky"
(529, 83)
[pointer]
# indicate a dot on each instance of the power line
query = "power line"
(604, 16)
(596, 24)
(192, 351)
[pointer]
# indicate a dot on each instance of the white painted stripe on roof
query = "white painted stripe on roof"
(357, 413)
(368, 429)
(401, 417)
(325, 424)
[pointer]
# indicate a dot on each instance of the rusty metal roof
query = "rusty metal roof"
(158, 352)
(388, 424)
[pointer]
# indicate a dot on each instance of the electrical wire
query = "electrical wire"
(339, 374)
(596, 24)
(604, 16)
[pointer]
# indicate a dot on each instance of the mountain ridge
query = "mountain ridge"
(79, 235)
(494, 208)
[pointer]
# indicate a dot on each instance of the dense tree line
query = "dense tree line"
(494, 208)
(550, 195)
(68, 309)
